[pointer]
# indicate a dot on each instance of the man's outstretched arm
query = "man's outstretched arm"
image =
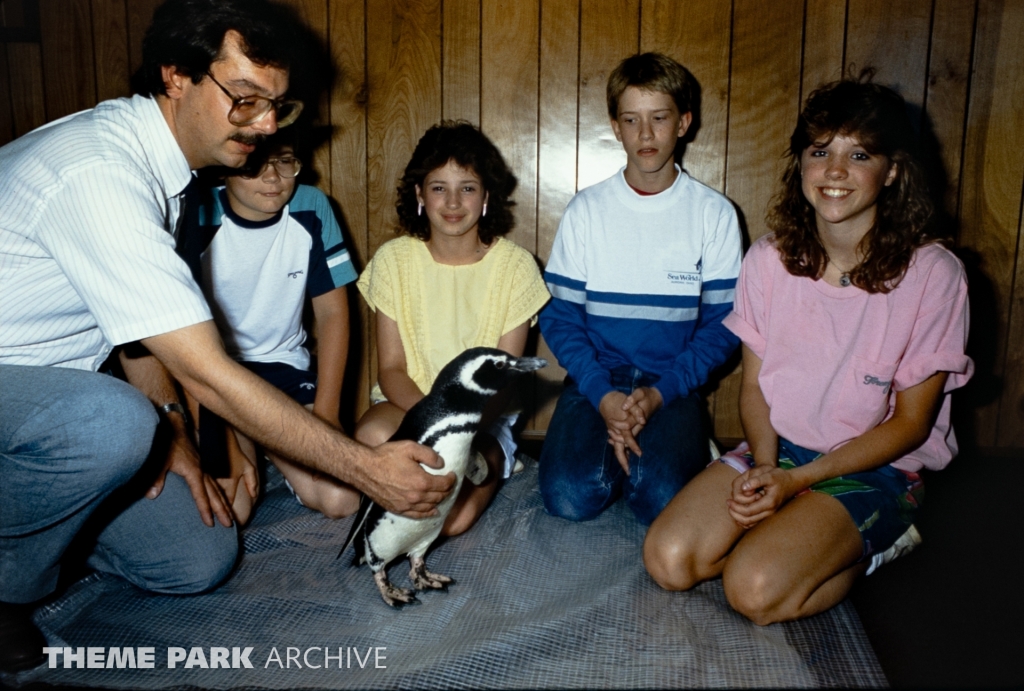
(389, 474)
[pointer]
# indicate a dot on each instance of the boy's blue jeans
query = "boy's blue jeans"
(68, 440)
(579, 474)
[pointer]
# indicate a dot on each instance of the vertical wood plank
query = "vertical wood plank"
(509, 85)
(6, 114)
(403, 57)
(140, 16)
(949, 67)
(990, 205)
(404, 69)
(556, 160)
(110, 30)
(763, 106)
(896, 48)
(28, 104)
(697, 34)
(69, 80)
(460, 62)
(347, 22)
(609, 32)
(824, 44)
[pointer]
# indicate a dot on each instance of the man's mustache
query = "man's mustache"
(247, 139)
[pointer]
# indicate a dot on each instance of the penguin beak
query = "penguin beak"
(528, 364)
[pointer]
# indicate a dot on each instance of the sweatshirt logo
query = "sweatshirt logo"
(875, 381)
(295, 274)
(683, 277)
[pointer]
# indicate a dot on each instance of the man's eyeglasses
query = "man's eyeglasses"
(246, 110)
(286, 167)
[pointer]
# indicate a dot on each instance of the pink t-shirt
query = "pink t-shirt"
(833, 357)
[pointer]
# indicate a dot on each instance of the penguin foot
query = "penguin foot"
(423, 579)
(392, 594)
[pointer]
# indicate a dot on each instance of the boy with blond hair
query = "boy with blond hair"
(641, 274)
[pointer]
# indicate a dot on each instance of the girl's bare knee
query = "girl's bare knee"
(337, 502)
(669, 562)
(753, 593)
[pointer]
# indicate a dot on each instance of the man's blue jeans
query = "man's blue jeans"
(68, 440)
(579, 474)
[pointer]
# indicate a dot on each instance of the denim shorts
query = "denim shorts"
(213, 451)
(883, 502)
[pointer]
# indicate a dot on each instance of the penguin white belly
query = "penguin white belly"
(397, 535)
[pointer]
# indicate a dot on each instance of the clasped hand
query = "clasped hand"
(625, 416)
(758, 493)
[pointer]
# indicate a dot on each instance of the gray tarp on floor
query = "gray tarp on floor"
(539, 603)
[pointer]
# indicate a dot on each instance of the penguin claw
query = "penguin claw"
(392, 594)
(423, 579)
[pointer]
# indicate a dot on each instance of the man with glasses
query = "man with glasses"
(89, 208)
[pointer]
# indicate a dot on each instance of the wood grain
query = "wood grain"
(460, 60)
(824, 44)
(990, 209)
(697, 33)
(140, 16)
(897, 49)
(509, 85)
(609, 33)
(69, 78)
(28, 105)
(110, 29)
(949, 69)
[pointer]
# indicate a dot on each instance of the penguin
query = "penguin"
(446, 419)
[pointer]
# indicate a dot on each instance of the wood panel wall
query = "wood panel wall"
(531, 73)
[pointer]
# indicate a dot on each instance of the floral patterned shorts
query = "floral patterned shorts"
(883, 502)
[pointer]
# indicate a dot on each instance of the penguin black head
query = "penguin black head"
(487, 370)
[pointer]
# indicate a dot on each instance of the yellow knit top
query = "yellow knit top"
(442, 310)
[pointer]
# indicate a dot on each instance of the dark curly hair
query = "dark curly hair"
(188, 35)
(461, 142)
(877, 116)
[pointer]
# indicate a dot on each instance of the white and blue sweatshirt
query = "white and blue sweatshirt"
(645, 281)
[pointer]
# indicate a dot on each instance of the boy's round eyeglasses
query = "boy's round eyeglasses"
(246, 110)
(286, 167)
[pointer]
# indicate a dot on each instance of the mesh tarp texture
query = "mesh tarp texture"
(539, 602)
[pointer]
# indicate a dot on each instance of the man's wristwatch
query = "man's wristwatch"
(169, 408)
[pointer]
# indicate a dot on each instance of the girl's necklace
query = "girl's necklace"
(844, 276)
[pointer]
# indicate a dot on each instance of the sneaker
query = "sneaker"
(518, 467)
(906, 543)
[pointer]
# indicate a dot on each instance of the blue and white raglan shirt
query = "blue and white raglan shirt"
(645, 281)
(256, 275)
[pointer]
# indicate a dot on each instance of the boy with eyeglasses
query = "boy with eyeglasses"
(262, 247)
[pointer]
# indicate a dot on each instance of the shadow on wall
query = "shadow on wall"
(985, 386)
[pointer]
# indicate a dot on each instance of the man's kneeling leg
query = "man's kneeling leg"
(162, 545)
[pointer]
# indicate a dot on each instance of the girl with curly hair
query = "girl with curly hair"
(450, 283)
(854, 323)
